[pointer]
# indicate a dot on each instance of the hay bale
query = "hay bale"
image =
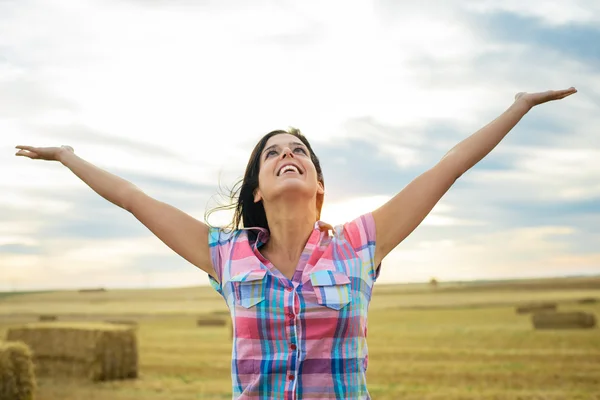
(208, 321)
(45, 318)
(530, 308)
(588, 300)
(17, 378)
(563, 320)
(99, 352)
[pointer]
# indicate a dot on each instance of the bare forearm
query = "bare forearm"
(473, 149)
(111, 187)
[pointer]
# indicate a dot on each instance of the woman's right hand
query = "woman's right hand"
(43, 153)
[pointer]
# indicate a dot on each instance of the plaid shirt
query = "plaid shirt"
(303, 338)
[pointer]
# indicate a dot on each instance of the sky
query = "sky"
(173, 95)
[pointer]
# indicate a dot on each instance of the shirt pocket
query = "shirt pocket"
(332, 288)
(249, 287)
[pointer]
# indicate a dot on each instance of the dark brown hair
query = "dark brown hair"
(241, 195)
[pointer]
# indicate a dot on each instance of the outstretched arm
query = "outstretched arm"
(397, 218)
(184, 234)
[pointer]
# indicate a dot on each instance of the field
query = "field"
(459, 341)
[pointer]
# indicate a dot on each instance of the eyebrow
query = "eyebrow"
(276, 145)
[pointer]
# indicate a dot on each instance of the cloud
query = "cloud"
(21, 97)
(567, 41)
(77, 133)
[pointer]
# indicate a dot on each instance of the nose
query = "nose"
(287, 152)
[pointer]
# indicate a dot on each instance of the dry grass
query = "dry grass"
(123, 322)
(461, 345)
(17, 378)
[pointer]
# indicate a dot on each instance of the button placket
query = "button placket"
(292, 347)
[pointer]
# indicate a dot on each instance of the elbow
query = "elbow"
(127, 199)
(451, 168)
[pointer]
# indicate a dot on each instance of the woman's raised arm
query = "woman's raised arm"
(397, 218)
(184, 234)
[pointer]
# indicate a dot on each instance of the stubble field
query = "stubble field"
(454, 342)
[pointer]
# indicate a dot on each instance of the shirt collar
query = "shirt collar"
(262, 235)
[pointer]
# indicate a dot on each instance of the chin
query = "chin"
(297, 188)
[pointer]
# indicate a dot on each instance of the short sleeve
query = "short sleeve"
(220, 243)
(360, 233)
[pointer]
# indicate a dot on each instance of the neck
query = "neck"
(290, 226)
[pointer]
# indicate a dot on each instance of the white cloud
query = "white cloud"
(542, 174)
(520, 252)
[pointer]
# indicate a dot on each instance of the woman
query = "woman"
(298, 294)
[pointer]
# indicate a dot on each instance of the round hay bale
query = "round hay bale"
(17, 378)
(530, 308)
(563, 320)
(97, 351)
(46, 318)
(588, 300)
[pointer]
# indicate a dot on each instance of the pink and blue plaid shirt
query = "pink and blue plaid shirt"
(303, 338)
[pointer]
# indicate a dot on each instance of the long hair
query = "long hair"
(247, 213)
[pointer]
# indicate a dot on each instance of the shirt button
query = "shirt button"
(293, 347)
(291, 377)
(289, 289)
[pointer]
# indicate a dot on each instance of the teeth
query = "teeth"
(288, 168)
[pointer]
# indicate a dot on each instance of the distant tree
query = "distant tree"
(433, 283)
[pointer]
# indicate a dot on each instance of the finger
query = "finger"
(28, 154)
(566, 92)
(28, 148)
(564, 95)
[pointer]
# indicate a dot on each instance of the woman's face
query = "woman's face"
(286, 169)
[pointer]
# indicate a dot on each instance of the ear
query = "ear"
(320, 188)
(257, 196)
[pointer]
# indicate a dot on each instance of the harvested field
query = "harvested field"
(423, 344)
(125, 322)
(563, 320)
(17, 377)
(98, 352)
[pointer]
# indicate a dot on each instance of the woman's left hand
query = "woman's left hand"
(534, 99)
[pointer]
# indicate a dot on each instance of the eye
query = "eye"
(300, 150)
(269, 153)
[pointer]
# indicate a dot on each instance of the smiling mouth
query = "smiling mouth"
(288, 169)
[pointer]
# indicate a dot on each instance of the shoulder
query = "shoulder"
(359, 231)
